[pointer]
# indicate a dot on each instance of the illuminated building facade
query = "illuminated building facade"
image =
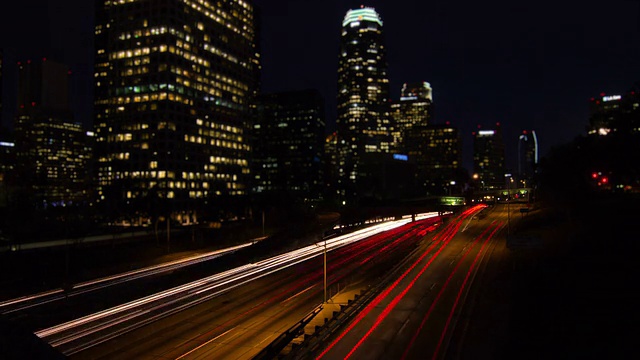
(527, 156)
(364, 120)
(174, 86)
(489, 158)
(52, 152)
(436, 150)
(331, 164)
(289, 144)
(7, 165)
(414, 108)
(614, 113)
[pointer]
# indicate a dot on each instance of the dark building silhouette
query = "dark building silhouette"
(7, 165)
(1, 83)
(364, 121)
(489, 158)
(289, 144)
(615, 113)
(436, 150)
(385, 178)
(174, 86)
(332, 157)
(52, 153)
(527, 156)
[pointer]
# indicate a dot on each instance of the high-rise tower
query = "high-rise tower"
(413, 109)
(489, 158)
(289, 146)
(527, 155)
(363, 94)
(51, 148)
(174, 85)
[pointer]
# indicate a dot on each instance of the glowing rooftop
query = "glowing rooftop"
(362, 14)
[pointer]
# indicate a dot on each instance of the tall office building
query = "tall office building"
(174, 86)
(331, 163)
(527, 156)
(289, 144)
(615, 113)
(489, 158)
(364, 120)
(414, 108)
(7, 165)
(436, 150)
(51, 148)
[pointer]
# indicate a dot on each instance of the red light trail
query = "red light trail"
(455, 304)
(445, 237)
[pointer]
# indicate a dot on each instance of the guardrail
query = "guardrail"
(276, 346)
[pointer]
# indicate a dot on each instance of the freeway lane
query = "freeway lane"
(414, 317)
(238, 323)
(25, 302)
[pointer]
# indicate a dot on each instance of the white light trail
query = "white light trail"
(198, 291)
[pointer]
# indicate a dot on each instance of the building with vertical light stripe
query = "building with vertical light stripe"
(364, 121)
(174, 86)
(527, 156)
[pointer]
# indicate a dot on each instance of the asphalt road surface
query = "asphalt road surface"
(419, 315)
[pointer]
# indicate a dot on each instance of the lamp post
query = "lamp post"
(325, 270)
(509, 181)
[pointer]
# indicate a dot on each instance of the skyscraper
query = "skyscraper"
(527, 156)
(615, 113)
(175, 82)
(436, 150)
(51, 148)
(414, 108)
(364, 121)
(289, 144)
(489, 158)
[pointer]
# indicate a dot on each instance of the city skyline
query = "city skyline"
(528, 68)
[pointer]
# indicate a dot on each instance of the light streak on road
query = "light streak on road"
(464, 283)
(400, 296)
(446, 235)
(439, 295)
(101, 326)
(29, 301)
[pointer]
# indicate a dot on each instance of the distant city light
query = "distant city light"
(400, 157)
(486, 132)
(611, 98)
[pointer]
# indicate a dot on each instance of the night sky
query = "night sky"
(527, 65)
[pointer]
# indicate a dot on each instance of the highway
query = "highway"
(25, 302)
(416, 313)
(268, 294)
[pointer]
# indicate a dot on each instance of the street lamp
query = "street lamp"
(325, 271)
(509, 202)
